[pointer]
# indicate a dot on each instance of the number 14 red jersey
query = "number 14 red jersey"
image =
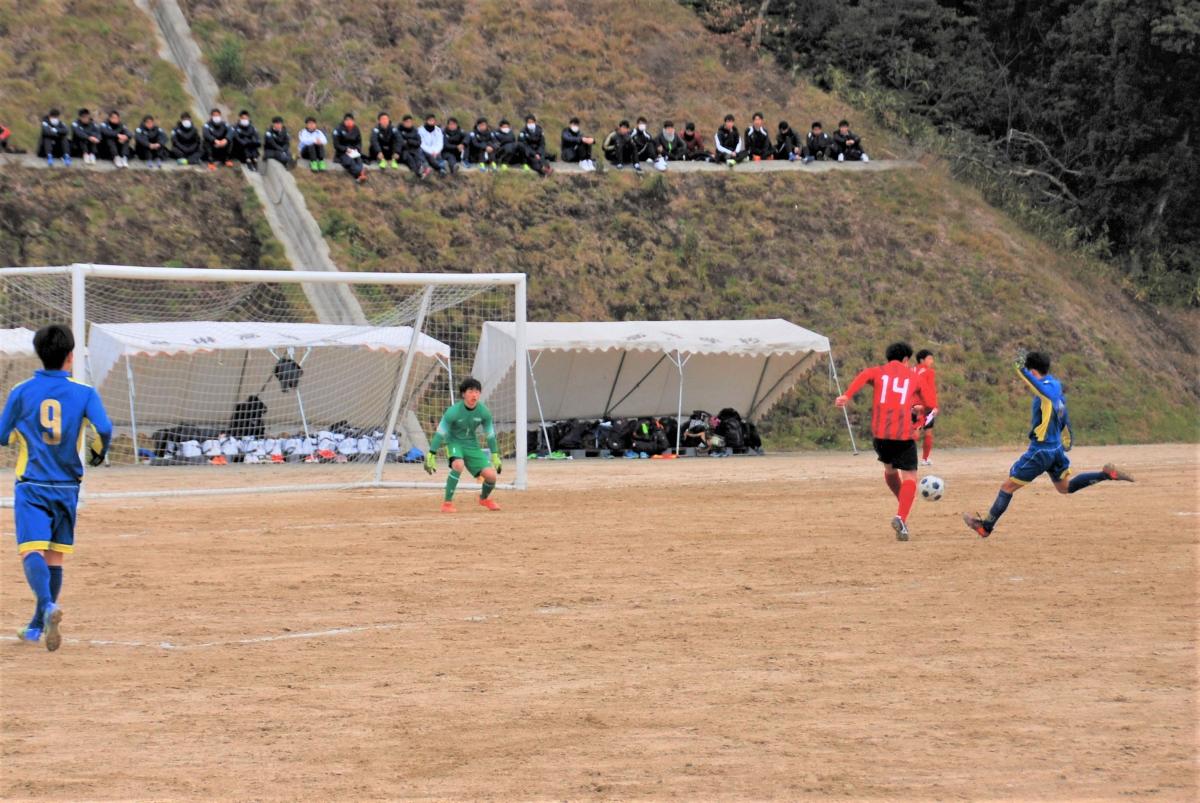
(897, 388)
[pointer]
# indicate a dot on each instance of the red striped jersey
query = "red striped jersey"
(897, 388)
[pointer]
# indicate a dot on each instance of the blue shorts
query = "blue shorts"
(45, 516)
(1050, 460)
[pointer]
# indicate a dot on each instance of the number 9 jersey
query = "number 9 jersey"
(46, 418)
(897, 388)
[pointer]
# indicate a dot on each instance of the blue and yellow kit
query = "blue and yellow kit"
(47, 418)
(1049, 431)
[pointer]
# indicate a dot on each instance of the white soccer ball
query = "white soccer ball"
(932, 488)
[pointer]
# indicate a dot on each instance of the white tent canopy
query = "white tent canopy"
(639, 368)
(16, 343)
(18, 360)
(163, 374)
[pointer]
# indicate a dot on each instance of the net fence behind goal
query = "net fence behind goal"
(230, 381)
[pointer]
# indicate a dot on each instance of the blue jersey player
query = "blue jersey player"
(46, 418)
(1049, 442)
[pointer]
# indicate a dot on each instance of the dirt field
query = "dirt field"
(746, 628)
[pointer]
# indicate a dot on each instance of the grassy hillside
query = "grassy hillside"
(174, 218)
(599, 60)
(863, 258)
(101, 54)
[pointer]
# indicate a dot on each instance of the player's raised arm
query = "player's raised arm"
(864, 376)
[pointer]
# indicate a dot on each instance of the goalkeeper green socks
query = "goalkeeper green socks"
(488, 487)
(451, 484)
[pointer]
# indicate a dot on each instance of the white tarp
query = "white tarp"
(196, 371)
(634, 368)
(16, 343)
(18, 360)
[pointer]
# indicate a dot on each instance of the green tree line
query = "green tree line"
(1079, 116)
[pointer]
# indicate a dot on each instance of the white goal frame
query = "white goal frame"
(79, 274)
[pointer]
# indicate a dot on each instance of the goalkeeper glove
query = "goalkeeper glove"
(430, 463)
(496, 463)
(95, 458)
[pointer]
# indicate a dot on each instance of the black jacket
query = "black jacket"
(729, 138)
(215, 131)
(840, 140)
(110, 131)
(643, 145)
(80, 132)
(758, 142)
(535, 140)
(786, 142)
(503, 140)
(410, 138)
(454, 142)
(246, 137)
(673, 151)
(185, 141)
(818, 144)
(56, 131)
(145, 137)
(276, 141)
(344, 139)
(384, 137)
(478, 142)
(572, 145)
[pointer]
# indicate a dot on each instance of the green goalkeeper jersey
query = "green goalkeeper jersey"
(460, 427)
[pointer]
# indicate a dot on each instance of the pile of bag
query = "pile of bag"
(186, 445)
(721, 434)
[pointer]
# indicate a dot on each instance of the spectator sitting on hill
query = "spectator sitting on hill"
(277, 144)
(115, 140)
(245, 141)
(533, 146)
(5, 139)
(670, 148)
(818, 144)
(347, 148)
(454, 142)
(313, 144)
(410, 147)
(385, 144)
(85, 137)
(758, 139)
(577, 148)
(217, 147)
(618, 146)
(694, 145)
(507, 151)
(150, 142)
(433, 144)
(53, 142)
(186, 147)
(481, 146)
(847, 145)
(787, 143)
(643, 144)
(729, 143)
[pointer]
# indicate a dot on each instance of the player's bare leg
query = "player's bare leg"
(456, 470)
(489, 476)
(891, 478)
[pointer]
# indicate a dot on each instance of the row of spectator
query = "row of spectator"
(429, 147)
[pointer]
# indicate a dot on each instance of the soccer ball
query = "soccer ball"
(932, 488)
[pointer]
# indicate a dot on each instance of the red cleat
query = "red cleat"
(977, 525)
(448, 507)
(490, 504)
(1114, 473)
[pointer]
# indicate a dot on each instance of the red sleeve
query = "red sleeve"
(864, 376)
(929, 391)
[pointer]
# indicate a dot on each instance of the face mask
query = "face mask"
(186, 123)
(531, 126)
(669, 135)
(574, 129)
(216, 119)
(429, 127)
(243, 123)
(53, 121)
(641, 126)
(504, 130)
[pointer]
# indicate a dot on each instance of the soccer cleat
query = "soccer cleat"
(50, 622)
(212, 166)
(49, 161)
(181, 161)
(1114, 473)
(731, 162)
(926, 462)
(31, 634)
(901, 528)
(977, 525)
(448, 507)
(395, 164)
(383, 164)
(362, 177)
(490, 504)
(67, 159)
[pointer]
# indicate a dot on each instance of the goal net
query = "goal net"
(221, 381)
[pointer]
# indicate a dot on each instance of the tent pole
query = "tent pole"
(679, 410)
(404, 372)
(757, 388)
(846, 415)
(299, 398)
(537, 400)
(613, 389)
(132, 416)
(639, 383)
(799, 364)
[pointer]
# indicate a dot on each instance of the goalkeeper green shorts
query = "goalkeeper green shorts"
(475, 458)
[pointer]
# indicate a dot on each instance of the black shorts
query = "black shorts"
(901, 455)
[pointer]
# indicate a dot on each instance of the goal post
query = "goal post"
(228, 381)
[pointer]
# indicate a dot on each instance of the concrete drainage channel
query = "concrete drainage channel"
(291, 222)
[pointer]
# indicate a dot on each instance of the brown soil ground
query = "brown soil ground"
(746, 628)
